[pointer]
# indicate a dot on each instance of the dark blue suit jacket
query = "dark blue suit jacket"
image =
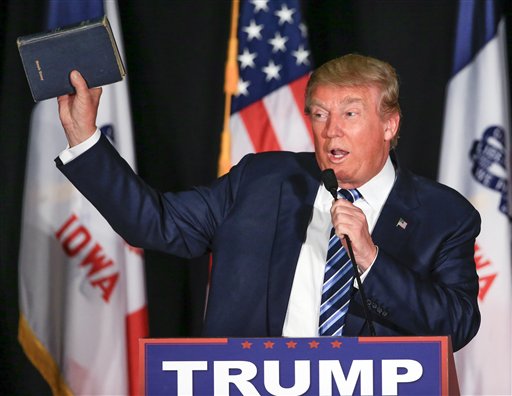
(254, 221)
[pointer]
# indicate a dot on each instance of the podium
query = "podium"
(298, 366)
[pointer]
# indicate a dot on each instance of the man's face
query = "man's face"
(350, 135)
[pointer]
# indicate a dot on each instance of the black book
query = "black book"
(89, 47)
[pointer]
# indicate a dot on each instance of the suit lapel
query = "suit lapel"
(393, 229)
(295, 209)
(397, 220)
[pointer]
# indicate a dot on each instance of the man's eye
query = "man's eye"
(319, 116)
(351, 113)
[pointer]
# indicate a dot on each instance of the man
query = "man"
(267, 222)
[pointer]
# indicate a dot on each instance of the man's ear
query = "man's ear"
(391, 126)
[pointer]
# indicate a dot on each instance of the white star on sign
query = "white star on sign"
(278, 43)
(253, 31)
(272, 71)
(285, 14)
(301, 55)
(260, 5)
(246, 59)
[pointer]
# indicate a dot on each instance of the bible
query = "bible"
(49, 57)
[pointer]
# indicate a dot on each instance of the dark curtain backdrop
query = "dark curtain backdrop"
(175, 54)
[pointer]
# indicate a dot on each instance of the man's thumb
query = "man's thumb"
(78, 81)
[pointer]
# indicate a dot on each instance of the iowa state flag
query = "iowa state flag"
(82, 295)
(274, 62)
(475, 160)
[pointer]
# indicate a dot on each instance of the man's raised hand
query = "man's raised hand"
(78, 111)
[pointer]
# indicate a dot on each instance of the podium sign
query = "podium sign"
(298, 366)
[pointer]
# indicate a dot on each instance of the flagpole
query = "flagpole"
(230, 88)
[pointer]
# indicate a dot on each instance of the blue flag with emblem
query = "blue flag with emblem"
(475, 160)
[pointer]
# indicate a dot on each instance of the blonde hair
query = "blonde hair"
(359, 70)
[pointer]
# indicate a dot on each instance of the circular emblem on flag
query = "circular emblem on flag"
(490, 163)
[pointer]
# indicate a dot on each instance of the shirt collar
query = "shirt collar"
(377, 189)
(374, 192)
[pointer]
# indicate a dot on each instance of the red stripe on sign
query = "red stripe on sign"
(136, 327)
(298, 88)
(258, 126)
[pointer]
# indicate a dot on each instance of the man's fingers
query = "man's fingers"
(348, 219)
(64, 103)
(96, 93)
(82, 89)
(63, 100)
(78, 82)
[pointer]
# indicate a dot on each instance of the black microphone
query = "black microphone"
(331, 184)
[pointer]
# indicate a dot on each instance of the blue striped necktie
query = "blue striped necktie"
(338, 279)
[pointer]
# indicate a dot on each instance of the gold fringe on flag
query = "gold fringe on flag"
(42, 359)
(230, 88)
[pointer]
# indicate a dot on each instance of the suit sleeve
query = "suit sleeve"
(437, 293)
(182, 223)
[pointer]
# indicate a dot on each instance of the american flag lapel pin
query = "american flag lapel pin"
(401, 223)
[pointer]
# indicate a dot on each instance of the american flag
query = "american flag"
(274, 60)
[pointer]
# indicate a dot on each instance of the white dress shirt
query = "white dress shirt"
(305, 299)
